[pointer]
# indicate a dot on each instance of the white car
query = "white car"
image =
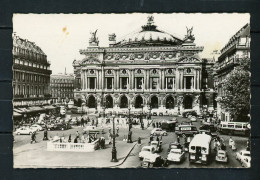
(221, 156)
(24, 130)
(176, 155)
(146, 150)
(242, 154)
(193, 119)
(36, 127)
(158, 132)
(246, 162)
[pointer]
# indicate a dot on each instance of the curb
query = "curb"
(123, 159)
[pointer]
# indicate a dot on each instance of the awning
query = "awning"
(35, 109)
(49, 107)
(16, 114)
(18, 110)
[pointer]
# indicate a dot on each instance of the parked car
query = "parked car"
(242, 154)
(24, 130)
(174, 145)
(158, 132)
(153, 160)
(93, 130)
(36, 127)
(209, 129)
(187, 113)
(246, 162)
(221, 156)
(176, 155)
(146, 150)
(157, 146)
(61, 126)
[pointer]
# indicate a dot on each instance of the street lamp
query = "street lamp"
(141, 119)
(114, 135)
(129, 138)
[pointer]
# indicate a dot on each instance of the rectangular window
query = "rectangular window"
(139, 82)
(169, 83)
(109, 82)
(92, 83)
(124, 83)
(154, 82)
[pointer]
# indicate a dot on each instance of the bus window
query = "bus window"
(230, 126)
(239, 126)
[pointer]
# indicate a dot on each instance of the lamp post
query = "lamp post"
(141, 119)
(114, 135)
(129, 138)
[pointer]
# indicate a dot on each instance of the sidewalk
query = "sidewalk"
(36, 156)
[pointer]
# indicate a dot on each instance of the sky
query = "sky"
(61, 36)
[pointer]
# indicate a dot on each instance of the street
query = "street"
(132, 160)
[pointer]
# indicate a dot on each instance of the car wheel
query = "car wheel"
(18, 133)
(30, 133)
(62, 129)
(165, 134)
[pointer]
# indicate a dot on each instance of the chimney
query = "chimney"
(112, 39)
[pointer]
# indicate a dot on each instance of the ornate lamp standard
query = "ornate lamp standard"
(129, 138)
(114, 135)
(141, 119)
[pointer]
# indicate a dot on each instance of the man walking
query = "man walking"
(33, 137)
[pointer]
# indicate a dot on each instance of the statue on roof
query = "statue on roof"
(93, 39)
(150, 20)
(189, 37)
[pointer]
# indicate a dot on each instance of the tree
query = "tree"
(236, 86)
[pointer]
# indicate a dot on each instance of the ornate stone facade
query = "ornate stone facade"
(162, 74)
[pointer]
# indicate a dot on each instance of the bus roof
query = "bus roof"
(233, 122)
(202, 140)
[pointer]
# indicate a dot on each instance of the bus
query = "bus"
(200, 149)
(234, 128)
(186, 129)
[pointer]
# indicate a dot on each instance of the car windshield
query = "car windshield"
(146, 149)
(221, 154)
(176, 151)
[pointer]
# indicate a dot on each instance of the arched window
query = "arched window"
(154, 102)
(169, 102)
(124, 102)
(138, 102)
(109, 102)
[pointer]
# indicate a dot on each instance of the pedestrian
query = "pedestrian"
(77, 134)
(161, 137)
(33, 137)
(45, 135)
(82, 121)
(157, 124)
(233, 146)
(76, 140)
(160, 124)
(230, 142)
(69, 140)
(157, 139)
(109, 138)
(153, 124)
(178, 139)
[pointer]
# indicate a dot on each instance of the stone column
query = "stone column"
(145, 79)
(86, 80)
(97, 79)
(198, 79)
(148, 79)
(133, 79)
(163, 78)
(117, 80)
(129, 79)
(81, 80)
(195, 79)
(177, 77)
(184, 83)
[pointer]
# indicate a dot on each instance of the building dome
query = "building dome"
(149, 35)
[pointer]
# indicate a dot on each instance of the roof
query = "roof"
(243, 32)
(27, 45)
(148, 35)
(202, 140)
